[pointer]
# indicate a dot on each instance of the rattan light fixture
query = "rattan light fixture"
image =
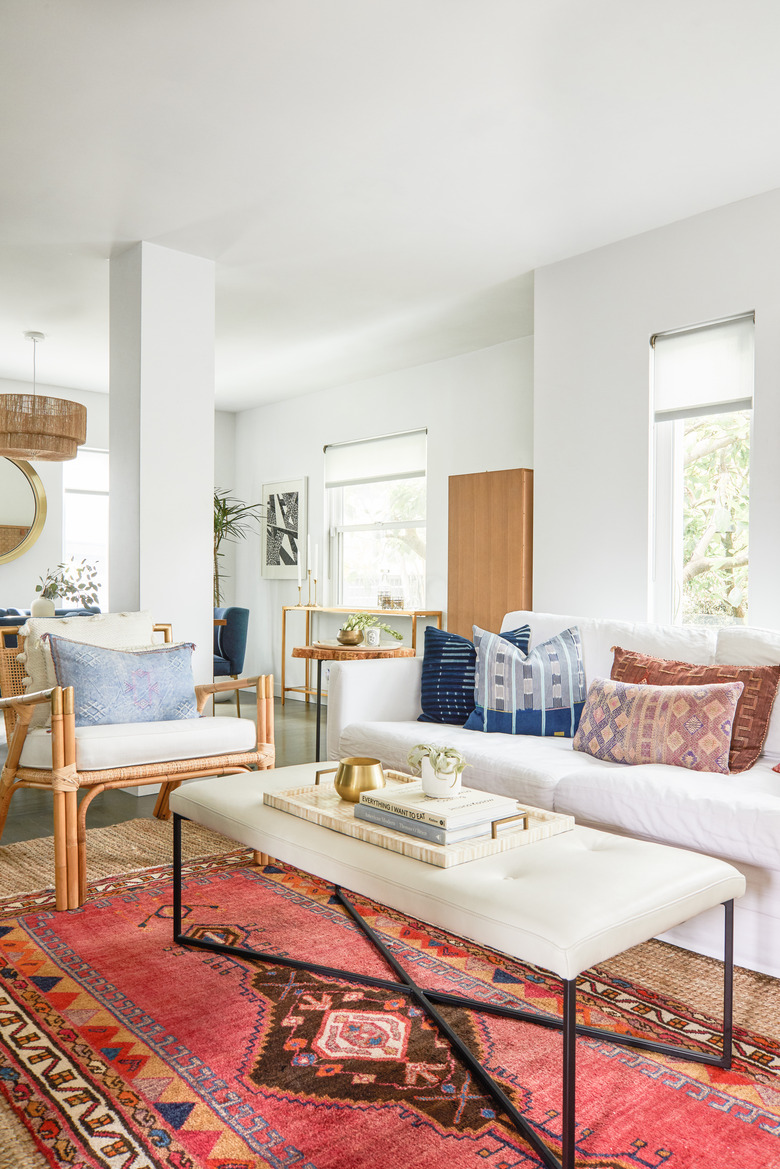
(36, 427)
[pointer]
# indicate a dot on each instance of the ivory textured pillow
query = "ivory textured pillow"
(112, 630)
(126, 686)
(751, 721)
(684, 726)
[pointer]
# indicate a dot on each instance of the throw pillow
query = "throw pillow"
(126, 686)
(448, 674)
(112, 630)
(683, 726)
(541, 693)
(754, 708)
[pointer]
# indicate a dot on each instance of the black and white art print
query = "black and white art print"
(284, 530)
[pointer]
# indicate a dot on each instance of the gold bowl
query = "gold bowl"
(357, 775)
(350, 636)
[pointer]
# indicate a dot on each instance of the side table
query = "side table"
(333, 651)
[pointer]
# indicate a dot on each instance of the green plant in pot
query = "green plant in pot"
(69, 581)
(353, 629)
(233, 520)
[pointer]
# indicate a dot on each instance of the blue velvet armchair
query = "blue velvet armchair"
(230, 644)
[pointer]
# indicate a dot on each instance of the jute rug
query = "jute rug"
(122, 1049)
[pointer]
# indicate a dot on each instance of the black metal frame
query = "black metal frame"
(425, 999)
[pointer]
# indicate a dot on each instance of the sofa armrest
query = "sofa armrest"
(380, 690)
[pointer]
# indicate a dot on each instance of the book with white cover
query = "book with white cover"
(423, 831)
(461, 811)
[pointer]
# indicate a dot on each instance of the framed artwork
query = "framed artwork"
(284, 529)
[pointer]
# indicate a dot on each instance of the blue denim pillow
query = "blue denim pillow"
(125, 686)
(449, 674)
(540, 693)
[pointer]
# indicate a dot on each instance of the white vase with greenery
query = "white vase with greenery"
(70, 582)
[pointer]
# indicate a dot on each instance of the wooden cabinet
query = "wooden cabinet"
(490, 552)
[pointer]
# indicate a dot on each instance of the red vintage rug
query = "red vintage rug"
(119, 1049)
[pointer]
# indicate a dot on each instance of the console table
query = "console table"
(384, 614)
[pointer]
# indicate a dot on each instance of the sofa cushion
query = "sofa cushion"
(448, 674)
(131, 744)
(126, 686)
(687, 643)
(739, 645)
(684, 726)
(732, 816)
(540, 693)
(751, 721)
(526, 768)
(111, 630)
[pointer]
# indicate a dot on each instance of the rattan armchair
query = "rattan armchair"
(65, 779)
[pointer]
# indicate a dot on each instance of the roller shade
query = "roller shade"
(703, 370)
(371, 460)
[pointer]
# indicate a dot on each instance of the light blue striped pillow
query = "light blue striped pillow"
(126, 686)
(541, 693)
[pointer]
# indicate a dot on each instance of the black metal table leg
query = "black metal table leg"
(425, 998)
(319, 709)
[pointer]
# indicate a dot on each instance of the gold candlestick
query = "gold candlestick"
(308, 591)
(315, 592)
(299, 597)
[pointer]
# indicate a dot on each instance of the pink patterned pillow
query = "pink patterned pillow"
(685, 726)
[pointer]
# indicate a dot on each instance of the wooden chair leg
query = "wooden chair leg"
(81, 837)
(60, 853)
(161, 809)
(7, 790)
(238, 697)
(72, 847)
(262, 858)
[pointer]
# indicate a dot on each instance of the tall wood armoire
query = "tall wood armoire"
(490, 552)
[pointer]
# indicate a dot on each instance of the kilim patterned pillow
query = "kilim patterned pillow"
(541, 693)
(754, 708)
(448, 674)
(126, 686)
(684, 726)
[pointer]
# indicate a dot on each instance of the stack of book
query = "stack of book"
(406, 808)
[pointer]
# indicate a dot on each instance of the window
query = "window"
(703, 401)
(85, 513)
(376, 505)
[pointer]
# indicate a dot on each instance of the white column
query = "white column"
(161, 406)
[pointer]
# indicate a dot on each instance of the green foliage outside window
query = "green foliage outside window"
(715, 518)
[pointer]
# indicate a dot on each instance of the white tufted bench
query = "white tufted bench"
(564, 904)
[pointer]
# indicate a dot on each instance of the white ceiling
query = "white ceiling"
(375, 179)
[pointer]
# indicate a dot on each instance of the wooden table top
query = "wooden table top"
(333, 651)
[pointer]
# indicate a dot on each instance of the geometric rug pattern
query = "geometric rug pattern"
(118, 1048)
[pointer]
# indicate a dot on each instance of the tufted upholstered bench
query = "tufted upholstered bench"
(565, 904)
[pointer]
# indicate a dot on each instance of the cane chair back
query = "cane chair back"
(12, 672)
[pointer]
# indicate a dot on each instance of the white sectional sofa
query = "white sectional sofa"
(373, 708)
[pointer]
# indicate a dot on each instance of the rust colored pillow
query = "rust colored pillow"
(751, 721)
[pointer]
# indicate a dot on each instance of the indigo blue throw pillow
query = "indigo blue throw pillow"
(448, 674)
(541, 693)
(125, 686)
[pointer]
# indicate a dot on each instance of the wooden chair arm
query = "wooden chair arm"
(34, 699)
(264, 685)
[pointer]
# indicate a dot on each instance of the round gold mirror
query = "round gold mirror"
(22, 508)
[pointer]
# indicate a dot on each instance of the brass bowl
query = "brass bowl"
(358, 775)
(350, 636)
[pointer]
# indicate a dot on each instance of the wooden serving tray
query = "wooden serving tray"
(322, 805)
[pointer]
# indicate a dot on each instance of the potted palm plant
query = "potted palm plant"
(233, 520)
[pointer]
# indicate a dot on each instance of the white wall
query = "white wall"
(594, 315)
(478, 409)
(224, 480)
(19, 578)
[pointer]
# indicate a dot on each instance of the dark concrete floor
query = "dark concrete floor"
(30, 814)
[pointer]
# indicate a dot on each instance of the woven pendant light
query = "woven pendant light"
(39, 428)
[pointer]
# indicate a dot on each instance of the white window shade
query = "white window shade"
(708, 369)
(394, 456)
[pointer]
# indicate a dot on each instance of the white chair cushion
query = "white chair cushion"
(525, 767)
(132, 744)
(109, 630)
(734, 816)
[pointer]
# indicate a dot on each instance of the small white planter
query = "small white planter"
(42, 607)
(436, 784)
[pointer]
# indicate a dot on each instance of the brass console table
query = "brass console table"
(386, 615)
